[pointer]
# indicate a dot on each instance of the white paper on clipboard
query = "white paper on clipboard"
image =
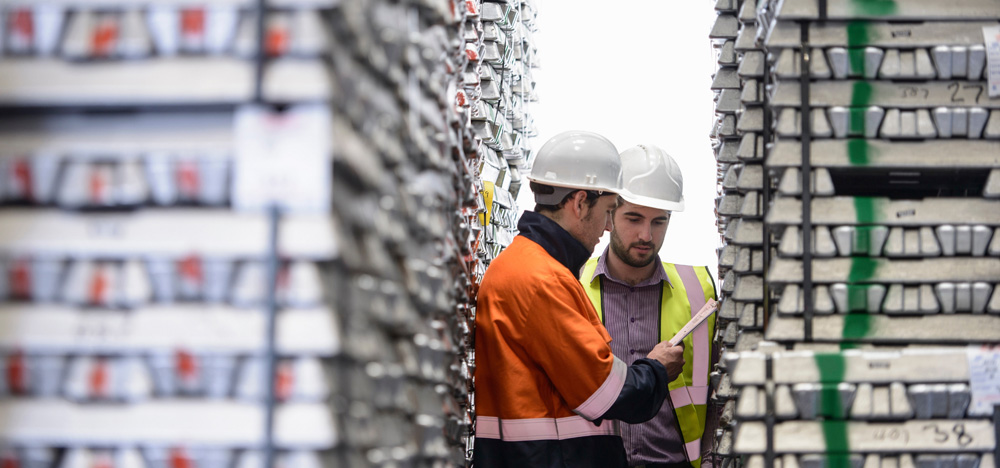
(706, 311)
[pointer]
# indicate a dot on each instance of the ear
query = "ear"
(577, 204)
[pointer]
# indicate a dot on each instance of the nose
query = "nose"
(646, 233)
(608, 225)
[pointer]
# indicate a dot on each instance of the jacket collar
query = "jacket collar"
(559, 243)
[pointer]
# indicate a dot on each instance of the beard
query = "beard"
(622, 251)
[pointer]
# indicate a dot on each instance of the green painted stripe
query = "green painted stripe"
(856, 58)
(856, 326)
(873, 7)
(861, 95)
(856, 121)
(858, 38)
(857, 299)
(857, 34)
(858, 151)
(862, 269)
(838, 442)
(831, 368)
(863, 238)
(864, 210)
(830, 403)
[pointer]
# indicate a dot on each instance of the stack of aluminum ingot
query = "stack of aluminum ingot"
(738, 138)
(499, 81)
(433, 129)
(133, 291)
(915, 407)
(135, 254)
(883, 152)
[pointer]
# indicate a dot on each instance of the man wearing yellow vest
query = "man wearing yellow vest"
(643, 301)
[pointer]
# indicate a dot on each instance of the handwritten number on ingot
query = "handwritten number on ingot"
(979, 90)
(105, 227)
(942, 436)
(915, 92)
(939, 435)
(894, 433)
(93, 329)
(963, 438)
(957, 87)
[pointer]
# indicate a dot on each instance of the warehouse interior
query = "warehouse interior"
(251, 233)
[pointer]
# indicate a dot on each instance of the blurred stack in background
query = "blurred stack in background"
(870, 146)
(738, 138)
(177, 177)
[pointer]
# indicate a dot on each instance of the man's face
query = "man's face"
(596, 220)
(638, 233)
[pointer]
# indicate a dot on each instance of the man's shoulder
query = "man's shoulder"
(525, 263)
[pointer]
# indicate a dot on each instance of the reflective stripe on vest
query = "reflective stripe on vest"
(522, 430)
(689, 289)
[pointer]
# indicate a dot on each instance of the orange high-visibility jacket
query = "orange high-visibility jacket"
(544, 370)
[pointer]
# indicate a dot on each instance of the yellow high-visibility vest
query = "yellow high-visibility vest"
(692, 288)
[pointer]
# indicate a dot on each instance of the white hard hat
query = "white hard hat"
(652, 178)
(576, 160)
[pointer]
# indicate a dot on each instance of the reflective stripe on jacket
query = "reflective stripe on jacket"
(692, 287)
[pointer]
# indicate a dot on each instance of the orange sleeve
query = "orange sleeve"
(558, 331)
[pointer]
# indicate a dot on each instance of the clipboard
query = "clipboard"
(708, 309)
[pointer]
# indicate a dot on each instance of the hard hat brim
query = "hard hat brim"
(608, 190)
(652, 202)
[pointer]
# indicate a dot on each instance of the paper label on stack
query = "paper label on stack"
(992, 36)
(283, 159)
(984, 379)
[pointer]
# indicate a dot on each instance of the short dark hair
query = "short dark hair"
(542, 189)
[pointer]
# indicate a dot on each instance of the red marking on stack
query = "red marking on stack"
(99, 286)
(284, 381)
(187, 179)
(187, 366)
(17, 374)
(180, 459)
(193, 21)
(22, 176)
(105, 37)
(21, 23)
(190, 268)
(99, 378)
(276, 40)
(9, 460)
(20, 279)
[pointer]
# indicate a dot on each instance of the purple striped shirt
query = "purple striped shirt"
(632, 317)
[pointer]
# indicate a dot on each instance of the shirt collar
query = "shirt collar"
(659, 273)
(559, 243)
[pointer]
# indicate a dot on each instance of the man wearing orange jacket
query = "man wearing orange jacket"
(548, 387)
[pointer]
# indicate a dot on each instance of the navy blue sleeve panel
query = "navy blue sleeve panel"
(643, 393)
(579, 452)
